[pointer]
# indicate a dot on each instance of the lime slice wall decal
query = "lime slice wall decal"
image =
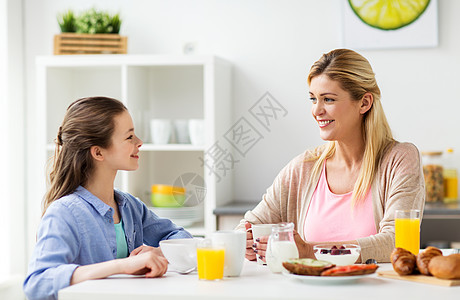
(388, 14)
(389, 24)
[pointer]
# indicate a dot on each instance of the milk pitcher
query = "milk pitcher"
(281, 246)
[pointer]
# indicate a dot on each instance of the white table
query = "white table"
(255, 282)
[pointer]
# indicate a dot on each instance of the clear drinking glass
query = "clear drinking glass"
(210, 260)
(407, 230)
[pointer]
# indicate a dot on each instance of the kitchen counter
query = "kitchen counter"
(432, 210)
(235, 208)
(442, 210)
(255, 282)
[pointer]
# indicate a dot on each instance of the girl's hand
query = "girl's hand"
(147, 263)
(250, 255)
(144, 248)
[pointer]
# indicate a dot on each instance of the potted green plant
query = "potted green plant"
(94, 21)
(90, 32)
(66, 21)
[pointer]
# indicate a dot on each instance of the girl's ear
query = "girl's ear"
(366, 103)
(96, 153)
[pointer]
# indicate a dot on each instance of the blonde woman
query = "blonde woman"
(347, 190)
(90, 230)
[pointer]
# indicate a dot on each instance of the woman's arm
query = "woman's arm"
(147, 263)
(400, 185)
(305, 248)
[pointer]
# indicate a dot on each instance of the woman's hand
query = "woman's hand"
(147, 263)
(305, 249)
(144, 248)
(250, 255)
(260, 247)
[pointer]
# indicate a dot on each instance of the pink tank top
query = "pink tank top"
(331, 217)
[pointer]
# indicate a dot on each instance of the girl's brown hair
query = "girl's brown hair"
(355, 75)
(88, 122)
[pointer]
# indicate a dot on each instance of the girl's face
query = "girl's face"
(338, 116)
(123, 153)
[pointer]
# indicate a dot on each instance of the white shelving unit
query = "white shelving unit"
(151, 86)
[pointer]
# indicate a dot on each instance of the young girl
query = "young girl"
(89, 230)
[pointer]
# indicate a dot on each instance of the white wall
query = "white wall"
(12, 212)
(272, 45)
(4, 216)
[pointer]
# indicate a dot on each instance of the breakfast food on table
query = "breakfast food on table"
(307, 266)
(424, 258)
(342, 255)
(359, 269)
(403, 261)
(429, 262)
(445, 267)
(313, 267)
(336, 251)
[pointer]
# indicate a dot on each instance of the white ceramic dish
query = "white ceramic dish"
(323, 279)
(180, 253)
(340, 259)
(182, 216)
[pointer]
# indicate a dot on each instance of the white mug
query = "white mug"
(196, 131)
(181, 131)
(258, 231)
(235, 248)
(160, 129)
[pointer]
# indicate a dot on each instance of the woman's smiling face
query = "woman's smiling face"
(338, 115)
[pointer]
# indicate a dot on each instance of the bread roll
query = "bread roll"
(445, 267)
(403, 261)
(307, 266)
(424, 258)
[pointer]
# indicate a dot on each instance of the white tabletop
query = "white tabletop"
(255, 282)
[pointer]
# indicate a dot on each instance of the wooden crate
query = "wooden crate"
(83, 43)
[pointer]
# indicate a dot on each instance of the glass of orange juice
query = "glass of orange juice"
(210, 260)
(407, 230)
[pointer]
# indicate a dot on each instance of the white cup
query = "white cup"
(235, 248)
(196, 131)
(160, 129)
(181, 131)
(258, 231)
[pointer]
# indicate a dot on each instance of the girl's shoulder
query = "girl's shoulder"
(66, 207)
(65, 202)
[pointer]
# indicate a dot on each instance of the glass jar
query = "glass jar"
(281, 246)
(450, 178)
(433, 172)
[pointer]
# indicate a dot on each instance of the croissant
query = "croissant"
(424, 258)
(403, 261)
(445, 267)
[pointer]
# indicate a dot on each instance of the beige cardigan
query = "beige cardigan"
(399, 184)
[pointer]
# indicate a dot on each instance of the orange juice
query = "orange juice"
(407, 234)
(210, 263)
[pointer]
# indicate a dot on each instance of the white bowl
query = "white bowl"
(180, 253)
(348, 255)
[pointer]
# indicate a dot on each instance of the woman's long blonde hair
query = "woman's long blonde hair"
(88, 122)
(355, 75)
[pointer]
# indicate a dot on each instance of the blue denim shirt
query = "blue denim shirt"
(78, 229)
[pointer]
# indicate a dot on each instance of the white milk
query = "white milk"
(278, 252)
